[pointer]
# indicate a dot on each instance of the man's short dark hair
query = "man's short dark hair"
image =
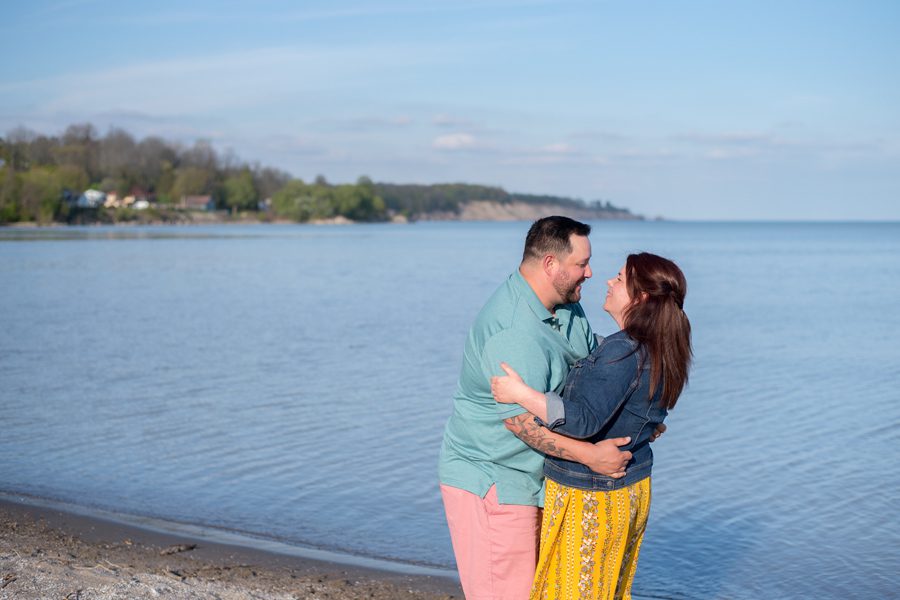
(550, 235)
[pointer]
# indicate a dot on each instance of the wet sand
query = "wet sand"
(49, 553)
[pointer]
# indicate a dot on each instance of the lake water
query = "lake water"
(292, 383)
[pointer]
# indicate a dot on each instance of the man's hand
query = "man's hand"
(606, 458)
(660, 429)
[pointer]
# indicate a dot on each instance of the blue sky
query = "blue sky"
(687, 110)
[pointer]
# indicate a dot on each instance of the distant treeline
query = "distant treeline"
(41, 178)
(414, 200)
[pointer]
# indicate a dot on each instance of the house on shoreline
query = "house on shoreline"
(204, 203)
(90, 199)
(138, 199)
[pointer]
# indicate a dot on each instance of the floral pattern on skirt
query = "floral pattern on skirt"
(590, 541)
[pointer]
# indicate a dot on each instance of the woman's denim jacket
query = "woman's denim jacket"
(606, 395)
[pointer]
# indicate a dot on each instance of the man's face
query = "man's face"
(573, 270)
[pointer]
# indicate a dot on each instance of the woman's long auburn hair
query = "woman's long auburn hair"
(656, 320)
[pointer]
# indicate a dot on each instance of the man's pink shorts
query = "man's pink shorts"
(496, 545)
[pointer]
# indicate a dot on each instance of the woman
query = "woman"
(593, 525)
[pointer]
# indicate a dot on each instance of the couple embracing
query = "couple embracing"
(540, 396)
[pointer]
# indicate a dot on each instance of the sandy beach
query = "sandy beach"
(48, 553)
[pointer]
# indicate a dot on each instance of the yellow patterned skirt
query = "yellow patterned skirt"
(590, 542)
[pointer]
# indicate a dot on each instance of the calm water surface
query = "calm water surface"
(292, 382)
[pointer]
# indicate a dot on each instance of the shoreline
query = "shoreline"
(56, 550)
(473, 210)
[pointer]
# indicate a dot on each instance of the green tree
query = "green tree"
(72, 178)
(240, 192)
(41, 150)
(117, 160)
(359, 202)
(80, 148)
(9, 195)
(268, 181)
(284, 203)
(155, 162)
(40, 197)
(191, 181)
(163, 183)
(16, 148)
(301, 202)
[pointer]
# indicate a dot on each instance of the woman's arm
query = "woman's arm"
(512, 390)
(600, 391)
(603, 457)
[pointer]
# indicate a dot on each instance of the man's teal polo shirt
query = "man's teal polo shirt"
(513, 327)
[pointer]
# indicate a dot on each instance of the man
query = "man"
(491, 460)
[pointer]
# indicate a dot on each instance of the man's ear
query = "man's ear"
(549, 264)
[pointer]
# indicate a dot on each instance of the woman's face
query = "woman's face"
(617, 298)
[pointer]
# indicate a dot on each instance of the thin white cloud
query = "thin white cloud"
(539, 160)
(416, 8)
(240, 79)
(454, 141)
(653, 155)
(722, 146)
(364, 124)
(558, 148)
(602, 136)
(157, 15)
(292, 145)
(728, 138)
(451, 121)
(164, 86)
(557, 153)
(730, 153)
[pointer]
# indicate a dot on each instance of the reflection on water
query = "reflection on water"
(293, 382)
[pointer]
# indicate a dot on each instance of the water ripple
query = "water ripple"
(196, 378)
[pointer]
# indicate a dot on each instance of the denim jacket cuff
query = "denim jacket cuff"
(556, 411)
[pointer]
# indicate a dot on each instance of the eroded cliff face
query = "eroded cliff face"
(482, 210)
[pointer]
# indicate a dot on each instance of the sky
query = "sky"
(712, 110)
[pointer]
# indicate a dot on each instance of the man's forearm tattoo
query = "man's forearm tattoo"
(524, 428)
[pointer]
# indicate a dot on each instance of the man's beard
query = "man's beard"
(568, 289)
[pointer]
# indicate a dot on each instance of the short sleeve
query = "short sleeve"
(524, 354)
